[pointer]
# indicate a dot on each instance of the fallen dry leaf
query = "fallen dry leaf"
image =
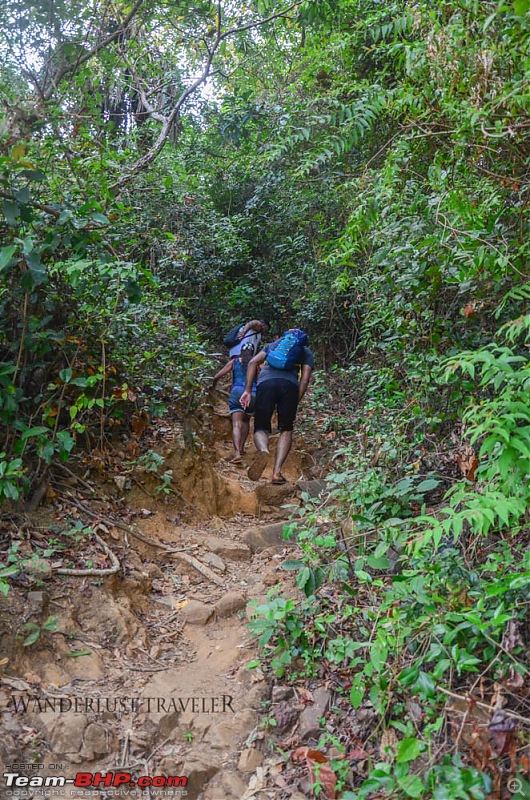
(467, 462)
(388, 745)
(515, 680)
(501, 728)
(512, 638)
(357, 754)
(319, 768)
(305, 695)
(140, 422)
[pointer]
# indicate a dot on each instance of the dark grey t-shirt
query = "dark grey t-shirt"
(269, 372)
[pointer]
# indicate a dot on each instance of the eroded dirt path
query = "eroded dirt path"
(146, 670)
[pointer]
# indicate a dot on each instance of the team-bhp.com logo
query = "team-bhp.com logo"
(94, 780)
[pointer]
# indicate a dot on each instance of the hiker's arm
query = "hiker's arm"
(228, 367)
(304, 380)
(253, 364)
(254, 324)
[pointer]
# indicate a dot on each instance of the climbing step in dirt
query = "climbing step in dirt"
(146, 671)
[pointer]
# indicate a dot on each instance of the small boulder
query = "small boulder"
(249, 760)
(229, 604)
(214, 561)
(197, 613)
(275, 496)
(259, 538)
(233, 551)
(310, 725)
(63, 731)
(199, 773)
(314, 488)
(97, 741)
(235, 729)
(280, 693)
(227, 785)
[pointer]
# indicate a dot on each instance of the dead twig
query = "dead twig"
(485, 706)
(92, 570)
(205, 571)
(145, 669)
(127, 528)
(80, 480)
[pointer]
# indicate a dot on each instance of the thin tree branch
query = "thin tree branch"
(93, 570)
(168, 122)
(73, 67)
(260, 22)
(54, 212)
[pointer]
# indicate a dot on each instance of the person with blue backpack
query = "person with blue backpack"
(283, 380)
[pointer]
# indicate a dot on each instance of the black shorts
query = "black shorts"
(273, 394)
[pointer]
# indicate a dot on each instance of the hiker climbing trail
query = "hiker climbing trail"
(145, 671)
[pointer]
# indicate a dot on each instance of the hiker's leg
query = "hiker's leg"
(238, 431)
(262, 428)
(282, 451)
(287, 407)
(245, 428)
(261, 440)
(265, 405)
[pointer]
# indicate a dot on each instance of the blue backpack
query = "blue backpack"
(287, 352)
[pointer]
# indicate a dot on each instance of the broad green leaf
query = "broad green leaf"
(47, 452)
(356, 695)
(378, 655)
(427, 485)
(10, 490)
(6, 572)
(66, 441)
(425, 685)
(378, 562)
(32, 638)
(78, 653)
(11, 211)
(38, 431)
(36, 268)
(408, 750)
(292, 564)
(521, 7)
(32, 174)
(6, 254)
(412, 785)
(22, 195)
(100, 218)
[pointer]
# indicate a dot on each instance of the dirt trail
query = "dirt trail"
(146, 671)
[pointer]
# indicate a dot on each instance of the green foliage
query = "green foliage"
(358, 169)
(499, 424)
(34, 631)
(153, 462)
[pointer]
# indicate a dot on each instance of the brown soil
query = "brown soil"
(145, 671)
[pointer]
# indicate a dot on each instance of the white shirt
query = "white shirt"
(251, 339)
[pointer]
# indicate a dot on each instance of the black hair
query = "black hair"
(265, 322)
